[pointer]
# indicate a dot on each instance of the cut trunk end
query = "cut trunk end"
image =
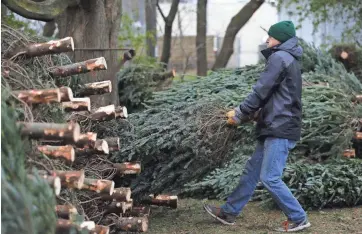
(121, 112)
(66, 94)
(99, 229)
(113, 143)
(349, 153)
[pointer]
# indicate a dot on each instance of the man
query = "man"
(277, 94)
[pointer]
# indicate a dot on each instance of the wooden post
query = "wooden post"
(128, 168)
(119, 194)
(66, 94)
(65, 152)
(161, 200)
(99, 229)
(100, 147)
(349, 153)
(50, 131)
(87, 140)
(96, 88)
(65, 226)
(138, 211)
(38, 96)
(113, 144)
(52, 181)
(132, 224)
(50, 47)
(121, 112)
(71, 179)
(79, 68)
(65, 211)
(99, 186)
(77, 104)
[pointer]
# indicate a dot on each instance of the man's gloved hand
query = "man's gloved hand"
(235, 117)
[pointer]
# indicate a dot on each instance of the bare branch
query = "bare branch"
(161, 12)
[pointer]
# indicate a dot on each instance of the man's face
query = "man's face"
(271, 41)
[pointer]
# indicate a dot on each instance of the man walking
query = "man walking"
(277, 94)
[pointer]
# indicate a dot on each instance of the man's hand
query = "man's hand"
(234, 117)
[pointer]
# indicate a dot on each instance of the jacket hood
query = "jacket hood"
(291, 46)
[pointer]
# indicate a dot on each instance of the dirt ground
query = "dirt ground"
(190, 218)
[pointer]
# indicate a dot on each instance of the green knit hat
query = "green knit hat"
(282, 31)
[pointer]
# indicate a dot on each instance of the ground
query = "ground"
(190, 218)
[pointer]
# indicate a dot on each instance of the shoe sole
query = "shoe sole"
(214, 216)
(299, 228)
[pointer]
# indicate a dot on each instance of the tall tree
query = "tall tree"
(201, 38)
(167, 37)
(151, 22)
(236, 23)
(91, 23)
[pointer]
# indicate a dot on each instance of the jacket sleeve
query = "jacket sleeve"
(269, 80)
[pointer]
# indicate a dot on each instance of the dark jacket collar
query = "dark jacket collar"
(291, 46)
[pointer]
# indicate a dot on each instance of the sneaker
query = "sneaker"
(220, 215)
(294, 227)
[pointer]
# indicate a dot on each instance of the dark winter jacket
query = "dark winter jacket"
(278, 92)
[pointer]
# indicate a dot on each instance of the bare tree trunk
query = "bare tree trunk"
(49, 29)
(236, 23)
(167, 37)
(95, 24)
(151, 26)
(201, 38)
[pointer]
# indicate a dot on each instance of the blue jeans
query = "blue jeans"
(267, 164)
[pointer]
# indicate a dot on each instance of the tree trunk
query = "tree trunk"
(167, 37)
(119, 194)
(96, 88)
(138, 211)
(132, 224)
(51, 131)
(65, 152)
(39, 96)
(236, 23)
(99, 186)
(161, 200)
(77, 104)
(95, 24)
(49, 29)
(201, 60)
(127, 168)
(99, 229)
(71, 179)
(79, 68)
(151, 27)
(65, 211)
(87, 140)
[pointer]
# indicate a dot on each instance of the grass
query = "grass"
(190, 218)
